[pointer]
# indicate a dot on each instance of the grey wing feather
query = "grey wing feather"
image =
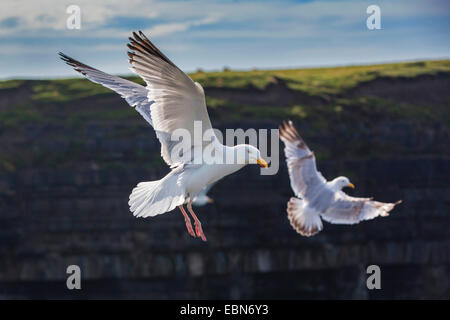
(144, 111)
(179, 101)
(306, 181)
(350, 210)
(134, 93)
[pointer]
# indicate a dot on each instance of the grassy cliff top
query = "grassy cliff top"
(356, 103)
(320, 81)
(312, 91)
(314, 81)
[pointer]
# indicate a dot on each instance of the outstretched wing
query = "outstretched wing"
(179, 101)
(133, 93)
(306, 181)
(350, 210)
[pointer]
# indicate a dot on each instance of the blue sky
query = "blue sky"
(210, 34)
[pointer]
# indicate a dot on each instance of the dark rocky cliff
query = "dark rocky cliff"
(64, 191)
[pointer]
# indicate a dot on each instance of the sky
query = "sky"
(211, 34)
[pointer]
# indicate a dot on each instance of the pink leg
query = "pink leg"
(188, 221)
(197, 223)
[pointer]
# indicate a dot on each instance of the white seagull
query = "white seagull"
(318, 197)
(171, 101)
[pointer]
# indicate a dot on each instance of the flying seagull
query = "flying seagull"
(317, 197)
(136, 96)
(172, 101)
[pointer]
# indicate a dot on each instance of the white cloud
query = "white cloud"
(51, 14)
(192, 28)
(168, 28)
(178, 16)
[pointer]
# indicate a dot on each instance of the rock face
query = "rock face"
(64, 213)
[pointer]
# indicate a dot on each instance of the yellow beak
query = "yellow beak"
(351, 185)
(210, 200)
(262, 162)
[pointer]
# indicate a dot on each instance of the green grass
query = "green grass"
(76, 102)
(66, 95)
(319, 81)
(10, 84)
(67, 90)
(316, 82)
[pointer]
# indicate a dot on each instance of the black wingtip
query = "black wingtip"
(143, 35)
(140, 43)
(75, 64)
(66, 58)
(62, 56)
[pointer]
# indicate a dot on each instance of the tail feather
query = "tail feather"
(141, 192)
(306, 223)
(151, 198)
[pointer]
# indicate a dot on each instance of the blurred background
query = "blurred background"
(373, 105)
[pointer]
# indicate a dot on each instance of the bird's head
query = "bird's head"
(247, 154)
(341, 182)
(253, 155)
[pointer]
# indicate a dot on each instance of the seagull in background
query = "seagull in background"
(202, 198)
(170, 101)
(318, 198)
